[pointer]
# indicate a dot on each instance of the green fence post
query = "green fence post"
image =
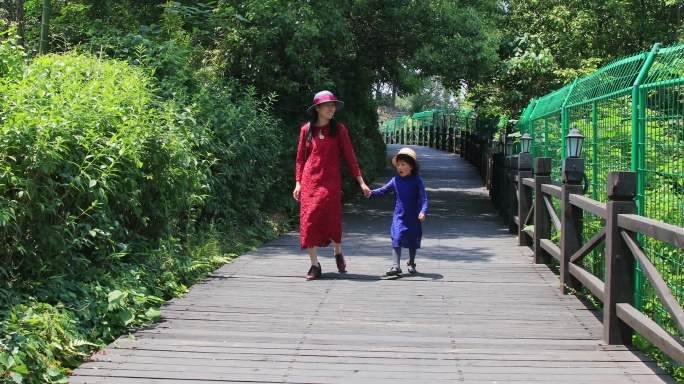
(638, 133)
(638, 155)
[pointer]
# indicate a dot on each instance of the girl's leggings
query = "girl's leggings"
(396, 256)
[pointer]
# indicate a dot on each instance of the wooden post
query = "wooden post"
(497, 180)
(542, 217)
(571, 221)
(619, 284)
(524, 197)
(450, 144)
(505, 193)
(512, 196)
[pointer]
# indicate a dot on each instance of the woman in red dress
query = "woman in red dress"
(322, 142)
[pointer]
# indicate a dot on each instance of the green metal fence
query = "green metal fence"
(438, 128)
(631, 113)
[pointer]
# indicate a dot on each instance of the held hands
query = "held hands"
(421, 216)
(365, 189)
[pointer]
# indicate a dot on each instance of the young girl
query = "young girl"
(410, 206)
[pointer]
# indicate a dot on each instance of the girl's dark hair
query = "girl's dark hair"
(312, 126)
(409, 159)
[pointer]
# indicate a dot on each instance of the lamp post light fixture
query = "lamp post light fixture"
(573, 165)
(574, 141)
(525, 142)
(510, 147)
(525, 157)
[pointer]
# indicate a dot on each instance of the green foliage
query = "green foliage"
(82, 143)
(11, 54)
(247, 144)
(547, 44)
(36, 341)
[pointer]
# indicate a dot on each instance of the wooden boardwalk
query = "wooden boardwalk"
(478, 311)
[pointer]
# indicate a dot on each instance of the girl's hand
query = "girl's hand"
(295, 193)
(421, 216)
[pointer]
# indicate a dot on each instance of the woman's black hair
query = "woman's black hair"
(409, 159)
(312, 126)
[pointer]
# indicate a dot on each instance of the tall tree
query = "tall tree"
(20, 21)
(45, 28)
(549, 43)
(296, 47)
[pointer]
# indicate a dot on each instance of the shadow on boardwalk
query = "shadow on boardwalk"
(478, 311)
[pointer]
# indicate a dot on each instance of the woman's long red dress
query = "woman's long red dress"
(320, 194)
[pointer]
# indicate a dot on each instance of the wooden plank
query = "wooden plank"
(596, 207)
(653, 332)
(589, 245)
(552, 190)
(552, 213)
(657, 282)
(593, 283)
(551, 248)
(658, 230)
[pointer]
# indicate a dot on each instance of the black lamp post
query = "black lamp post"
(525, 157)
(573, 165)
(574, 141)
(510, 147)
(525, 143)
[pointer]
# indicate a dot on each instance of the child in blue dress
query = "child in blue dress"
(410, 206)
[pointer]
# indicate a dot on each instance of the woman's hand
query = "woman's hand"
(364, 187)
(366, 190)
(421, 216)
(295, 193)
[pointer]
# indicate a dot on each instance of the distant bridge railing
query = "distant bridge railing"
(454, 131)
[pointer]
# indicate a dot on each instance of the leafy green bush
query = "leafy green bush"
(37, 340)
(247, 143)
(92, 165)
(100, 191)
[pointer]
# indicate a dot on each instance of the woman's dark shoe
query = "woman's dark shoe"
(394, 271)
(341, 263)
(314, 272)
(411, 268)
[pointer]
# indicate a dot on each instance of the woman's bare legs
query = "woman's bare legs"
(337, 248)
(313, 252)
(313, 255)
(339, 259)
(315, 270)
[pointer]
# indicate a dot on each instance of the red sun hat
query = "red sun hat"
(323, 97)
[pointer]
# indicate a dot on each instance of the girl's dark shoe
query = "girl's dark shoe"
(412, 268)
(314, 272)
(394, 271)
(341, 263)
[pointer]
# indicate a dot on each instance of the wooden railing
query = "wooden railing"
(525, 201)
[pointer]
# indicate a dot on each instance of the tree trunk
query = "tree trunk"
(44, 28)
(394, 96)
(20, 21)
